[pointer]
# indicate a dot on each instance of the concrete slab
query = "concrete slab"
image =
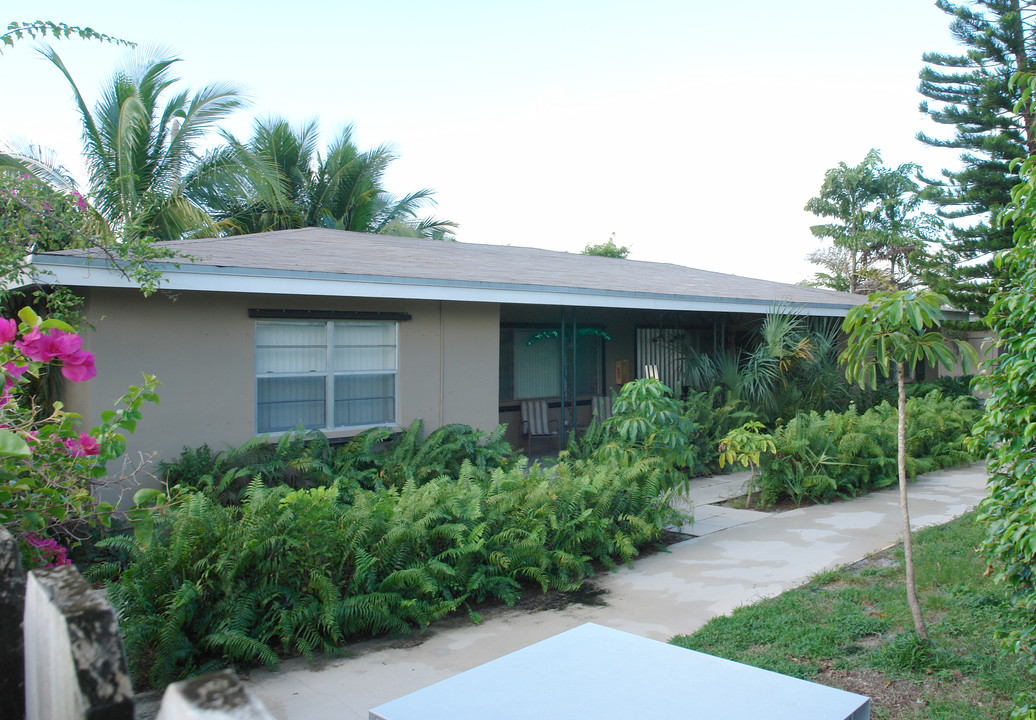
(665, 594)
(710, 519)
(596, 672)
(714, 489)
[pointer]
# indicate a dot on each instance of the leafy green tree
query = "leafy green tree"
(877, 216)
(608, 249)
(141, 144)
(970, 92)
(744, 445)
(1007, 432)
(341, 188)
(896, 331)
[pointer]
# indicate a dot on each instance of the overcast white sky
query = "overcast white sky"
(694, 131)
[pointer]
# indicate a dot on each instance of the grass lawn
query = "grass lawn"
(851, 628)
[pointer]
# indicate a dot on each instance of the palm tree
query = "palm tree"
(342, 189)
(147, 178)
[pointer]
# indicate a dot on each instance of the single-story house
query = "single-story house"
(343, 331)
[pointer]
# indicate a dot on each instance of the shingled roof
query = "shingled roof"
(318, 261)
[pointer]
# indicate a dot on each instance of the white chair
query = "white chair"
(536, 423)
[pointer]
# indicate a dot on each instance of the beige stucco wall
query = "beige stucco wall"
(201, 348)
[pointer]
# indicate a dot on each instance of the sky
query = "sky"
(693, 131)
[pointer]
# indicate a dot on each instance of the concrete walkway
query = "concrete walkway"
(739, 557)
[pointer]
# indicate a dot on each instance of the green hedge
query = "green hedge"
(299, 571)
(837, 455)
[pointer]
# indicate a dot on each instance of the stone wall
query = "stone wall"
(61, 657)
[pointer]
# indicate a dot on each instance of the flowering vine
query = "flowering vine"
(48, 466)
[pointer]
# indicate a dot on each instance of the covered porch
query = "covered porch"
(564, 357)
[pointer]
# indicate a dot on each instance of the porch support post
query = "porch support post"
(575, 369)
(562, 369)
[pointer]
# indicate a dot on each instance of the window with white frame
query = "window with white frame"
(325, 374)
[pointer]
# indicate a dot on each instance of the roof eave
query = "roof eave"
(94, 272)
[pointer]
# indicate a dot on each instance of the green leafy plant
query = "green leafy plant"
(899, 330)
(647, 421)
(743, 446)
(1007, 432)
(47, 466)
(299, 571)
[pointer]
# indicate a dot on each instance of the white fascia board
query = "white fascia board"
(78, 272)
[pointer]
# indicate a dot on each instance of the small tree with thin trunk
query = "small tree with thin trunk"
(899, 330)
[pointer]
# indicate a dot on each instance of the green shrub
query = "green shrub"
(823, 457)
(300, 571)
(683, 435)
(378, 459)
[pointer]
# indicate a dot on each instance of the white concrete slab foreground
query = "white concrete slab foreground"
(665, 594)
(592, 671)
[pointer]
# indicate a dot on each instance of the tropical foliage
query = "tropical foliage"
(341, 188)
(376, 459)
(1007, 432)
(877, 218)
(39, 29)
(900, 330)
(790, 366)
(301, 571)
(48, 467)
(142, 147)
(823, 457)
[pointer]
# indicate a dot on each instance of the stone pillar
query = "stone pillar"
(12, 603)
(75, 667)
(216, 696)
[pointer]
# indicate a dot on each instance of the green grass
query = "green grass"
(851, 628)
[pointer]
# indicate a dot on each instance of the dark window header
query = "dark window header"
(327, 315)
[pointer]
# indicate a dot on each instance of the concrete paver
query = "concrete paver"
(665, 594)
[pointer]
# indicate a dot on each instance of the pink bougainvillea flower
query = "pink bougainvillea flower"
(60, 343)
(11, 373)
(55, 344)
(78, 366)
(82, 446)
(34, 346)
(49, 550)
(8, 330)
(89, 444)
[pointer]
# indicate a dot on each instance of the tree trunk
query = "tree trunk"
(908, 550)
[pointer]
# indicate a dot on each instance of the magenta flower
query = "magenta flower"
(82, 446)
(11, 373)
(79, 366)
(33, 345)
(48, 549)
(8, 330)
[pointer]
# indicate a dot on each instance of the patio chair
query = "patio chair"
(536, 423)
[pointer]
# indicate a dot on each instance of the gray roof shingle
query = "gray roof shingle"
(357, 255)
